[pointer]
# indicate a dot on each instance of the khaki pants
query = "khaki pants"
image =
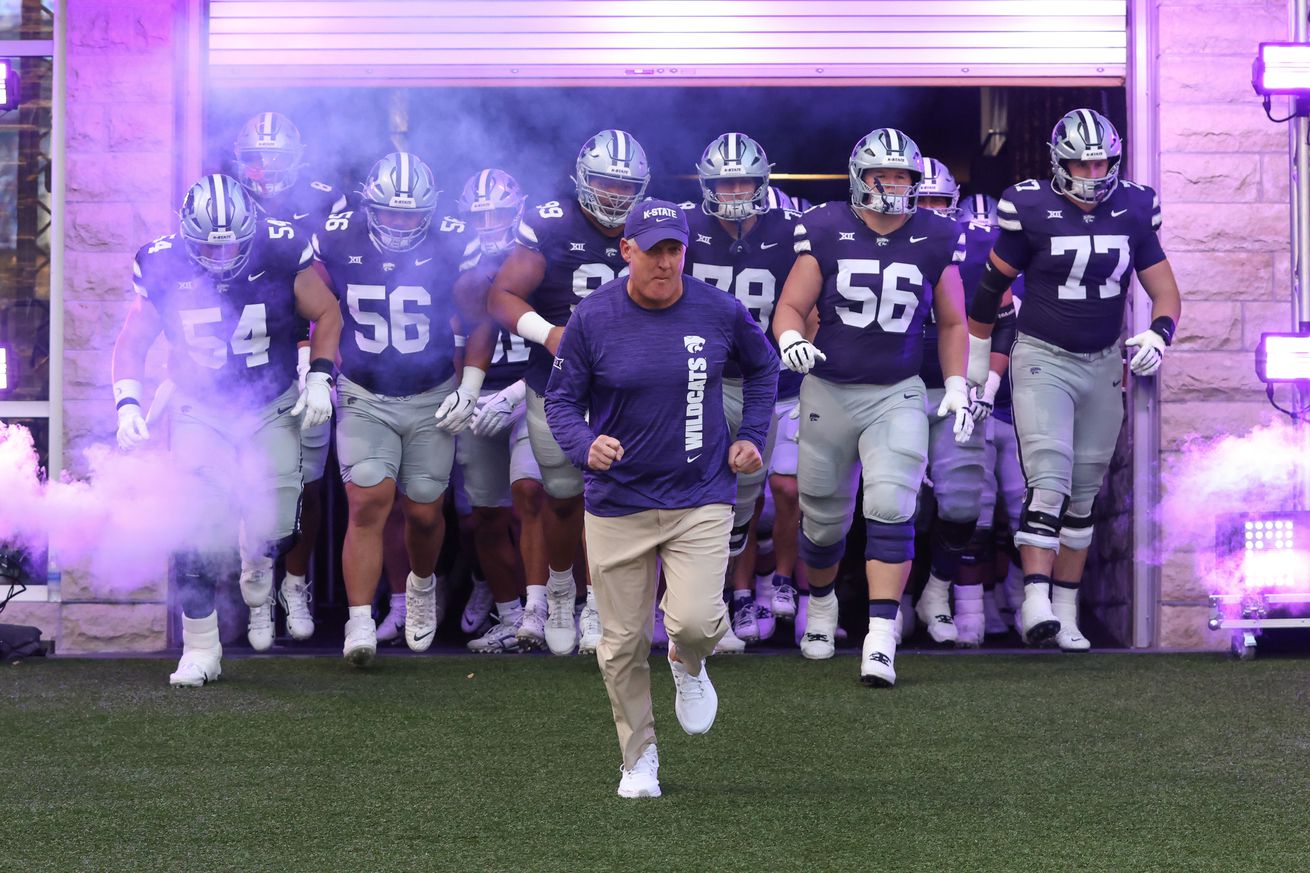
(623, 554)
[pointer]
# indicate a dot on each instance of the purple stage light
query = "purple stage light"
(1268, 551)
(1283, 357)
(8, 376)
(8, 83)
(1282, 68)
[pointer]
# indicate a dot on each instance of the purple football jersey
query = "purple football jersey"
(1076, 263)
(579, 259)
(397, 307)
(877, 290)
(754, 273)
(509, 359)
(306, 204)
(234, 340)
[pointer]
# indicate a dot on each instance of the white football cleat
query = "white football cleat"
(202, 653)
(361, 641)
(643, 780)
(1036, 617)
(501, 639)
(934, 610)
(784, 600)
(1065, 606)
(764, 619)
(589, 627)
(259, 629)
(393, 626)
(420, 612)
(561, 633)
(296, 598)
(696, 703)
(478, 609)
(256, 581)
(531, 632)
(728, 644)
(820, 640)
(969, 619)
(878, 661)
(745, 622)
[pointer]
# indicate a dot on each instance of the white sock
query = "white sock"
(537, 595)
(293, 580)
(509, 611)
(560, 578)
(200, 633)
(885, 626)
(936, 589)
(363, 611)
(1064, 602)
(422, 583)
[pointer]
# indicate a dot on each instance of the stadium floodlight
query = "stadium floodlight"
(1262, 565)
(8, 372)
(1282, 68)
(8, 83)
(1283, 357)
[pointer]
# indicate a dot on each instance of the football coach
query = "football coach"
(636, 402)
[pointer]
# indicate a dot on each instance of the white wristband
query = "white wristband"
(533, 328)
(993, 384)
(957, 384)
(460, 341)
(128, 390)
(471, 381)
(302, 358)
(980, 357)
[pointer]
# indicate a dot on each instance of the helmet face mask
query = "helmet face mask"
(885, 149)
(938, 189)
(611, 176)
(1085, 135)
(399, 199)
(217, 222)
(734, 178)
(269, 154)
(492, 203)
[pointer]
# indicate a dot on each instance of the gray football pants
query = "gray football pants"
(1002, 478)
(881, 427)
(956, 469)
(1068, 408)
(381, 437)
(749, 485)
(559, 477)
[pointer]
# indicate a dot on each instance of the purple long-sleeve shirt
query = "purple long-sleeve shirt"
(652, 379)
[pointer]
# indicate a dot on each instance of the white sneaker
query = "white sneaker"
(659, 634)
(745, 623)
(296, 598)
(696, 702)
(643, 780)
(197, 667)
(1065, 606)
(969, 619)
(361, 641)
(478, 608)
(994, 621)
(820, 640)
(259, 629)
(764, 619)
(256, 581)
(531, 632)
(934, 610)
(784, 600)
(561, 634)
(502, 638)
(589, 629)
(878, 662)
(728, 644)
(420, 613)
(393, 626)
(1036, 618)
(1071, 639)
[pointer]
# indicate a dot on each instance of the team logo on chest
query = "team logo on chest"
(355, 259)
(1052, 214)
(882, 241)
(1088, 219)
(846, 235)
(702, 238)
(388, 267)
(611, 253)
(577, 247)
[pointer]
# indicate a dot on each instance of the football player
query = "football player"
(874, 267)
(1074, 237)
(393, 263)
(227, 291)
(565, 249)
(500, 471)
(741, 245)
(269, 162)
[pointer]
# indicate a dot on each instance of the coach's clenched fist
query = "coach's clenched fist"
(605, 452)
(743, 457)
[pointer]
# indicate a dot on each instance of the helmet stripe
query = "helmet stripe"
(620, 146)
(484, 184)
(219, 193)
(266, 124)
(1092, 137)
(734, 148)
(403, 183)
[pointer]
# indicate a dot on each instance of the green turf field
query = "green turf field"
(975, 763)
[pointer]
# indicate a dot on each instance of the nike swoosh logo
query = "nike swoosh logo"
(284, 411)
(692, 458)
(1115, 213)
(421, 262)
(421, 637)
(253, 276)
(767, 246)
(915, 239)
(299, 215)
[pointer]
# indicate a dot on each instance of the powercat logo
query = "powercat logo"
(693, 420)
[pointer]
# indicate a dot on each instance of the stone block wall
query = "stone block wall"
(1224, 185)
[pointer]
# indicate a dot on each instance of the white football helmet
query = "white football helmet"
(491, 203)
(885, 148)
(612, 175)
(1085, 135)
(399, 197)
(269, 154)
(938, 182)
(734, 156)
(217, 223)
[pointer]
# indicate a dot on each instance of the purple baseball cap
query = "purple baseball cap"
(653, 221)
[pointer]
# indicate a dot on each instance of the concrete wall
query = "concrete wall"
(1224, 186)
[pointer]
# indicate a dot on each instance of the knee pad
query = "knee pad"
(821, 557)
(981, 550)
(561, 482)
(425, 490)
(949, 540)
(1076, 529)
(366, 474)
(889, 542)
(1039, 522)
(737, 539)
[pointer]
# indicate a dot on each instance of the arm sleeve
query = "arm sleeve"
(759, 370)
(567, 393)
